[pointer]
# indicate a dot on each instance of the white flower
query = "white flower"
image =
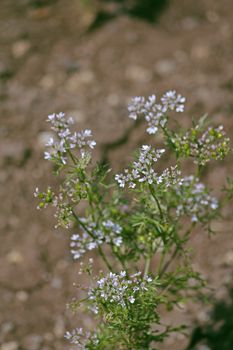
(47, 156)
(66, 141)
(131, 299)
(118, 288)
(135, 107)
(81, 339)
(109, 233)
(172, 101)
(194, 199)
(50, 142)
(142, 170)
(155, 112)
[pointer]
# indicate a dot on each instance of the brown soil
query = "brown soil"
(48, 64)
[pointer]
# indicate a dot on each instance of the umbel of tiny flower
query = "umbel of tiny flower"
(155, 113)
(64, 140)
(108, 232)
(119, 289)
(81, 339)
(142, 170)
(194, 200)
(202, 145)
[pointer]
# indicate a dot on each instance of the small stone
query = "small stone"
(22, 296)
(221, 293)
(20, 48)
(181, 56)
(189, 23)
(203, 316)
(48, 337)
(56, 283)
(3, 176)
(71, 66)
(7, 327)
(40, 12)
(79, 79)
(32, 342)
(138, 74)
(86, 77)
(113, 100)
(14, 257)
(13, 221)
(87, 17)
(202, 347)
(212, 16)
(47, 82)
(228, 258)
(59, 327)
(12, 150)
(225, 31)
(182, 306)
(165, 67)
(62, 265)
(131, 37)
(227, 279)
(200, 52)
(12, 345)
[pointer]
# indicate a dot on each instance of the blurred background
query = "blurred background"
(87, 58)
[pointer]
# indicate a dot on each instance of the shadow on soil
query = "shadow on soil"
(217, 334)
(148, 10)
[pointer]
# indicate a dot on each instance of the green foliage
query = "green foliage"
(140, 223)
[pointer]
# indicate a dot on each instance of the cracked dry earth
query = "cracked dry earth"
(47, 64)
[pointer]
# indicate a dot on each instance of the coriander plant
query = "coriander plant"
(139, 222)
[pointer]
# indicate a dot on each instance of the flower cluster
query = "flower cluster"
(118, 289)
(155, 112)
(81, 339)
(142, 170)
(63, 212)
(170, 100)
(212, 144)
(45, 198)
(92, 237)
(194, 200)
(65, 140)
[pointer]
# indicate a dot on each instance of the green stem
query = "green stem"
(70, 154)
(91, 234)
(157, 202)
(105, 259)
(165, 267)
(177, 249)
(161, 260)
(147, 266)
(118, 257)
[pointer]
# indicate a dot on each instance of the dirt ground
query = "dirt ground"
(47, 64)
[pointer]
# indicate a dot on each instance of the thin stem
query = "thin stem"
(189, 230)
(178, 247)
(100, 213)
(147, 266)
(167, 286)
(165, 267)
(199, 170)
(70, 153)
(118, 257)
(91, 234)
(104, 258)
(157, 202)
(161, 260)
